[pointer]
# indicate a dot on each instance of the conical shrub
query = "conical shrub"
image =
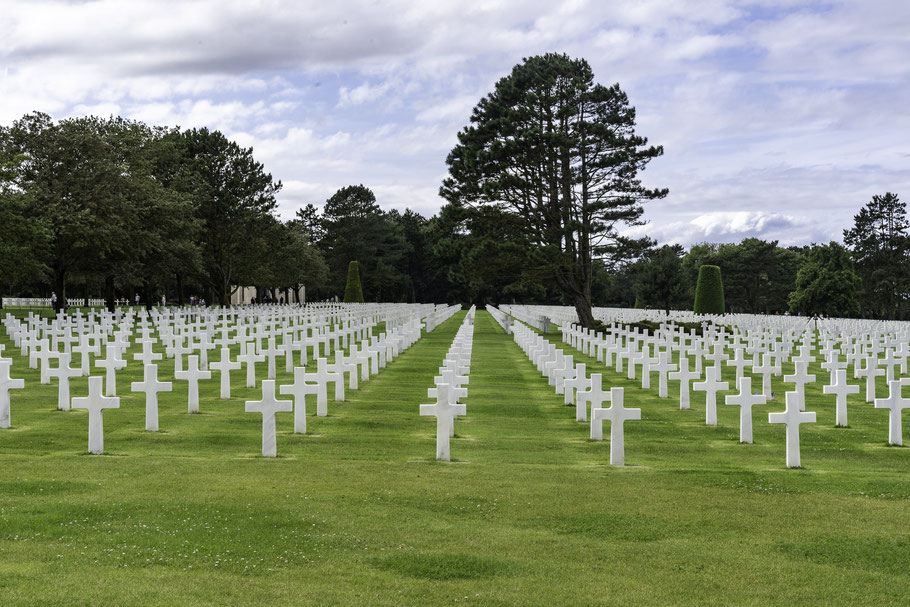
(709, 292)
(353, 291)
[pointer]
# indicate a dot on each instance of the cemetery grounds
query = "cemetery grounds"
(359, 512)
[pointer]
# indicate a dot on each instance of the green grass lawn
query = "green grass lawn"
(528, 512)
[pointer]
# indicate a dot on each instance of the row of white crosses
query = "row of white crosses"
(571, 380)
(450, 386)
(768, 350)
(269, 405)
(40, 340)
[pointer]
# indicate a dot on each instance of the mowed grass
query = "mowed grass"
(358, 512)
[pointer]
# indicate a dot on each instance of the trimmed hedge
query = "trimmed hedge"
(353, 291)
(709, 292)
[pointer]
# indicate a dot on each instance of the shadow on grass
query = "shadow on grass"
(443, 566)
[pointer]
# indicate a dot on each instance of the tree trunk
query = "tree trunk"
(180, 290)
(109, 293)
(60, 282)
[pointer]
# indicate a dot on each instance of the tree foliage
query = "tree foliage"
(826, 284)
(560, 153)
(353, 292)
(880, 245)
(709, 292)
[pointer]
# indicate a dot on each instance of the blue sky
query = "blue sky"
(779, 119)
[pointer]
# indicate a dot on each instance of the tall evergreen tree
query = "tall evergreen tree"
(880, 244)
(560, 152)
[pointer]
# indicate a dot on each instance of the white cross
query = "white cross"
(890, 361)
(895, 403)
(250, 358)
(664, 365)
(596, 396)
(683, 376)
(271, 353)
(746, 400)
(177, 351)
(84, 349)
(45, 354)
(299, 389)
(224, 367)
(148, 356)
(739, 362)
(7, 383)
(711, 386)
(870, 372)
(321, 377)
(192, 375)
(840, 388)
(346, 365)
(151, 386)
(617, 415)
(111, 363)
(268, 406)
(63, 373)
(792, 417)
(575, 384)
(96, 403)
(800, 378)
(331, 374)
(765, 369)
(445, 412)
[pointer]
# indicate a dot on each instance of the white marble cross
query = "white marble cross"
(895, 403)
(792, 417)
(250, 358)
(746, 400)
(192, 375)
(840, 388)
(96, 403)
(63, 373)
(800, 378)
(45, 355)
(578, 382)
(664, 365)
(151, 386)
(299, 390)
(148, 356)
(224, 367)
(765, 369)
(271, 353)
(596, 396)
(870, 372)
(331, 374)
(618, 415)
(7, 383)
(683, 376)
(321, 379)
(268, 406)
(84, 349)
(445, 412)
(110, 364)
(711, 386)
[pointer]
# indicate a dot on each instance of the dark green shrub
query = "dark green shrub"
(353, 292)
(709, 292)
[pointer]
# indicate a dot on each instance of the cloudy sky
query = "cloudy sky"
(779, 119)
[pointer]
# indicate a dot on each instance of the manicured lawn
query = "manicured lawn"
(529, 512)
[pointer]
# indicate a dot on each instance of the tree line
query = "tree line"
(868, 275)
(541, 187)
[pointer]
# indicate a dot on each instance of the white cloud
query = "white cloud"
(779, 117)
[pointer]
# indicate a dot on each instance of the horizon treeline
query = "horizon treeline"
(93, 207)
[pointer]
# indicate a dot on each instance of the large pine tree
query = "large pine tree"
(560, 152)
